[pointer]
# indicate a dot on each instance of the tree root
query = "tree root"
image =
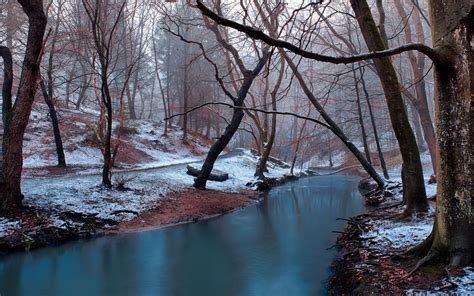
(430, 256)
(422, 248)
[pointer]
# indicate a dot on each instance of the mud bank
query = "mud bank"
(37, 230)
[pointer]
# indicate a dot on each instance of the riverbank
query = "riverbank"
(190, 205)
(67, 207)
(370, 261)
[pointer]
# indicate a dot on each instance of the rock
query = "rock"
(215, 175)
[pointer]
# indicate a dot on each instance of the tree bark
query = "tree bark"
(452, 238)
(10, 186)
(374, 126)
(55, 123)
(237, 115)
(361, 118)
(415, 190)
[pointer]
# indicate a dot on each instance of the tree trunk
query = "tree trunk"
(415, 120)
(106, 170)
(361, 118)
(55, 123)
(10, 186)
(335, 128)
(452, 237)
(267, 148)
(415, 190)
(374, 126)
(185, 97)
(237, 115)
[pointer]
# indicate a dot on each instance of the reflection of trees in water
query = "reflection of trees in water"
(198, 256)
(280, 241)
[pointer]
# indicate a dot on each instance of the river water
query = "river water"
(276, 247)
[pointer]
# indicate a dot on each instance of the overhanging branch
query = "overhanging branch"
(252, 109)
(433, 54)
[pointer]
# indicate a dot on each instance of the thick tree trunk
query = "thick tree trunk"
(10, 188)
(55, 123)
(415, 194)
(6, 55)
(452, 238)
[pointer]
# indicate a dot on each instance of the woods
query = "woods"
(380, 89)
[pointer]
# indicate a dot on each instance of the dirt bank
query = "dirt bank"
(190, 205)
(37, 228)
(369, 266)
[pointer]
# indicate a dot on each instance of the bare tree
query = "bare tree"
(104, 24)
(18, 114)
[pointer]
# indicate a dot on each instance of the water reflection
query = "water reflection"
(277, 247)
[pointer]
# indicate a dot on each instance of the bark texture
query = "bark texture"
(10, 185)
(415, 194)
(453, 232)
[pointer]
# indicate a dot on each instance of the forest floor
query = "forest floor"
(369, 263)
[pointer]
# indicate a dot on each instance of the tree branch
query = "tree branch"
(252, 109)
(433, 54)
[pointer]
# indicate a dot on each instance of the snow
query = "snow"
(145, 187)
(240, 167)
(397, 235)
(7, 226)
(316, 161)
(464, 285)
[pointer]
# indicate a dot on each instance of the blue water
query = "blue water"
(276, 247)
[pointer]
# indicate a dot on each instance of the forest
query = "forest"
(251, 147)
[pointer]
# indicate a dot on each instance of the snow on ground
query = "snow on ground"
(323, 162)
(83, 193)
(393, 235)
(464, 285)
(7, 226)
(143, 144)
(239, 164)
(397, 235)
(150, 165)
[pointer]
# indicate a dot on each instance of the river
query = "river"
(275, 247)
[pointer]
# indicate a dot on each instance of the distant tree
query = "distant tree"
(105, 17)
(47, 89)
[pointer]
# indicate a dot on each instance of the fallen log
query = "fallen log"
(214, 176)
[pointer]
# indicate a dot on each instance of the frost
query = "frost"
(7, 226)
